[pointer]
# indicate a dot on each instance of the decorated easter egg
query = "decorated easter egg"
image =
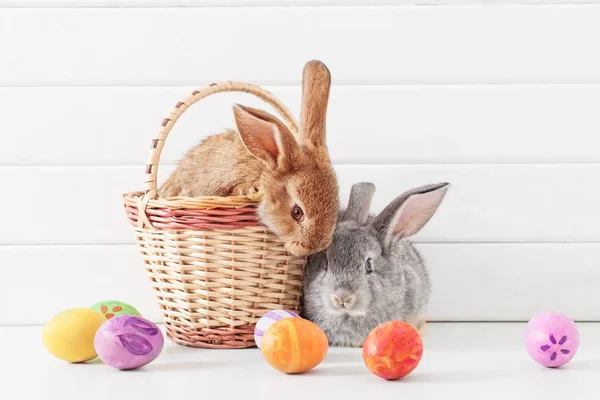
(294, 345)
(269, 319)
(392, 350)
(128, 342)
(113, 308)
(551, 339)
(70, 334)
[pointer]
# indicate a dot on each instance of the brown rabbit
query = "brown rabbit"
(299, 186)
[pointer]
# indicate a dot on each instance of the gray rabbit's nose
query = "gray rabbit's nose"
(343, 300)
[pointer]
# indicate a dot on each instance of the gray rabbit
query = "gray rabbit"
(370, 273)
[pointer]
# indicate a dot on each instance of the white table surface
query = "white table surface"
(460, 360)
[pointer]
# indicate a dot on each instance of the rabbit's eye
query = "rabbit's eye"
(368, 266)
(297, 213)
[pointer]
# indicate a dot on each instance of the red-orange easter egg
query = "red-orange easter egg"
(294, 345)
(392, 350)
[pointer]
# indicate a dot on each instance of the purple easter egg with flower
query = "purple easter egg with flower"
(128, 342)
(269, 319)
(551, 339)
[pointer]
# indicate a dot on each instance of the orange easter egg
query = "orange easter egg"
(294, 345)
(392, 350)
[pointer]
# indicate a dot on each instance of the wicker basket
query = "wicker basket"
(215, 269)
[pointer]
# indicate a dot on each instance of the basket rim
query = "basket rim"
(199, 203)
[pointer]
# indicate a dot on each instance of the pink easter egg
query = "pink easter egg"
(551, 339)
(128, 342)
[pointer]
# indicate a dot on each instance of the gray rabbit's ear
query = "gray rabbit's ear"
(359, 203)
(409, 212)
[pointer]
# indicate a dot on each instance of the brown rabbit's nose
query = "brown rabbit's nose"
(343, 300)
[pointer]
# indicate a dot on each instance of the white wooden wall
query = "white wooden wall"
(502, 99)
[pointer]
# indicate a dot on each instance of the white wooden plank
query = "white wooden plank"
(487, 203)
(45, 280)
(375, 44)
(471, 282)
(513, 281)
(260, 3)
(495, 203)
(370, 124)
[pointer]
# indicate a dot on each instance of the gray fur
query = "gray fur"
(398, 288)
(359, 203)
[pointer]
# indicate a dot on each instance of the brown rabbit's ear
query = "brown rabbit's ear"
(264, 136)
(316, 83)
(408, 213)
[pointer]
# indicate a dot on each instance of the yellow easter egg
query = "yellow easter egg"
(70, 334)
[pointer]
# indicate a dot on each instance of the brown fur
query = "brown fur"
(218, 166)
(316, 80)
(264, 156)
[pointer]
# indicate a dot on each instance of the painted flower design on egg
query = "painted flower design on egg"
(555, 346)
(111, 314)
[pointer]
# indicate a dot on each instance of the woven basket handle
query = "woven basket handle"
(150, 185)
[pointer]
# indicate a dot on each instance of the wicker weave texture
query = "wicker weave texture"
(219, 278)
(214, 268)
